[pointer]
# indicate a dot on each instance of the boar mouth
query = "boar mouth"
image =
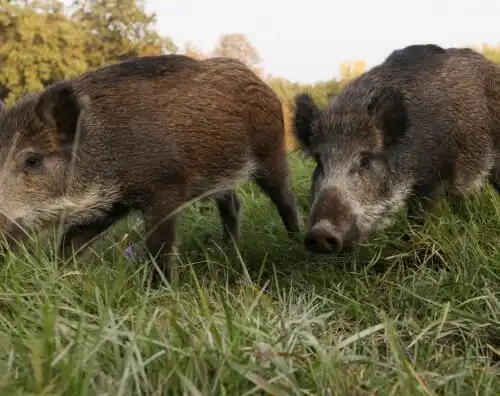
(12, 233)
(12, 229)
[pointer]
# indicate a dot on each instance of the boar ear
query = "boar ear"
(305, 113)
(389, 112)
(58, 106)
(2, 106)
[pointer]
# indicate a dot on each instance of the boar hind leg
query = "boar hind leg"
(272, 177)
(229, 207)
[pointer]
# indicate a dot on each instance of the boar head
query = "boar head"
(37, 138)
(355, 187)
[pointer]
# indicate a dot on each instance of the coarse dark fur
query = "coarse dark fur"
(414, 52)
(423, 124)
(155, 133)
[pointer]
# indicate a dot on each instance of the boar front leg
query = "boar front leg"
(423, 201)
(495, 177)
(77, 238)
(418, 208)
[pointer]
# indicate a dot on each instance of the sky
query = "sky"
(306, 40)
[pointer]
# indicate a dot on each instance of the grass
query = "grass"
(396, 317)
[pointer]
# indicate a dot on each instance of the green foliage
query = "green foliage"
(394, 317)
(491, 52)
(287, 90)
(38, 46)
(41, 42)
(323, 90)
(118, 30)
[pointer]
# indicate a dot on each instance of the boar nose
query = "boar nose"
(323, 239)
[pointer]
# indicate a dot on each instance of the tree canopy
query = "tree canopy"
(41, 41)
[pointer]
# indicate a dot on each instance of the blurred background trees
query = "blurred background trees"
(41, 42)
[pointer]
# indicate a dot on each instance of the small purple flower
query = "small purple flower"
(129, 251)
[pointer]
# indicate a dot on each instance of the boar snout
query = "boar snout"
(324, 238)
(332, 224)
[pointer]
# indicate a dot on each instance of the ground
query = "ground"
(398, 316)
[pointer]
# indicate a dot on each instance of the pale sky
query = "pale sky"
(306, 40)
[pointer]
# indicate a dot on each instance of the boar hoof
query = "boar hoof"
(157, 279)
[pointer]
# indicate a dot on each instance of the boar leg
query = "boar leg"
(418, 207)
(229, 210)
(495, 178)
(161, 228)
(423, 200)
(273, 179)
(78, 237)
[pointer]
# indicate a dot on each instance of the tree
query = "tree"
(38, 46)
(490, 51)
(281, 86)
(350, 70)
(286, 92)
(237, 46)
(116, 30)
(191, 50)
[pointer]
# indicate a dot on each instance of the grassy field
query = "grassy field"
(393, 318)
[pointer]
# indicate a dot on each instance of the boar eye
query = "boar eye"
(32, 162)
(365, 160)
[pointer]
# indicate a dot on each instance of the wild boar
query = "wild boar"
(423, 124)
(148, 135)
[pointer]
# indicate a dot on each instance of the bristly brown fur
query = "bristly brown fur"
(156, 132)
